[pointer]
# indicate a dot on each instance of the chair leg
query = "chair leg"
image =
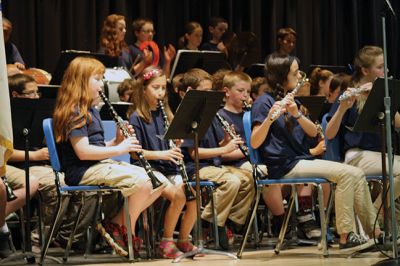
(72, 234)
(249, 222)
(323, 244)
(99, 216)
(53, 226)
(129, 229)
(215, 218)
(285, 221)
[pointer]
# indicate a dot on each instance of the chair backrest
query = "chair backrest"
(254, 155)
(109, 133)
(51, 144)
(332, 152)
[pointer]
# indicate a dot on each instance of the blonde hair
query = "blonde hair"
(73, 99)
(233, 77)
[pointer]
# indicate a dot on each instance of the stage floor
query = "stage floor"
(291, 257)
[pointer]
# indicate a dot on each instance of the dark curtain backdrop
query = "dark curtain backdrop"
(329, 31)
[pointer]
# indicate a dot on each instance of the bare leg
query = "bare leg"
(188, 220)
(177, 202)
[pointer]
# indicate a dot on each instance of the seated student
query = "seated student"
(276, 132)
(235, 194)
(85, 156)
(339, 83)
(125, 90)
(363, 149)
(192, 38)
(216, 27)
(218, 78)
(258, 87)
(24, 86)
(143, 31)
(149, 121)
(14, 60)
(286, 41)
(5, 245)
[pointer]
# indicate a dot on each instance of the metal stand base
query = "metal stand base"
(201, 250)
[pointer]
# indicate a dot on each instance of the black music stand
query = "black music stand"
(372, 120)
(314, 104)
(192, 119)
(209, 61)
(68, 55)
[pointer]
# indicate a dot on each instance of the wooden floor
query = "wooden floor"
(291, 257)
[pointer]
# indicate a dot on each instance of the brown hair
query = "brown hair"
(318, 74)
(365, 57)
(73, 99)
(193, 77)
(108, 38)
(17, 82)
(148, 75)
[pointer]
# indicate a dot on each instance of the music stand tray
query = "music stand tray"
(314, 105)
(209, 61)
(368, 119)
(192, 119)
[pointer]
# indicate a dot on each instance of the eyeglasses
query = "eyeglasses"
(148, 31)
(31, 94)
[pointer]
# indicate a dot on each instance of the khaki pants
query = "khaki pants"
(233, 197)
(117, 174)
(351, 193)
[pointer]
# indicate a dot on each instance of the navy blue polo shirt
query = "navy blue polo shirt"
(281, 149)
(237, 121)
(209, 140)
(148, 135)
(73, 167)
(365, 141)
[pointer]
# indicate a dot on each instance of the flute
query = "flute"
(350, 92)
(285, 100)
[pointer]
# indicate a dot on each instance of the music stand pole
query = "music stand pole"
(192, 118)
(389, 142)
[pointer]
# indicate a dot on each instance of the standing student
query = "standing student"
(143, 31)
(362, 149)
(286, 41)
(149, 123)
(191, 40)
(112, 40)
(85, 156)
(217, 27)
(276, 133)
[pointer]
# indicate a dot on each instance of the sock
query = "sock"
(4, 228)
(305, 204)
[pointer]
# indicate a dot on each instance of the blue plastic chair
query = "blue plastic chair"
(259, 183)
(64, 192)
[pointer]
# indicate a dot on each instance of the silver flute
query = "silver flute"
(350, 92)
(285, 100)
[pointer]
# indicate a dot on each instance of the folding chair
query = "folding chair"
(67, 191)
(259, 183)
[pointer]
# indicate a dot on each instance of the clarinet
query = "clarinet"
(284, 101)
(243, 148)
(125, 131)
(182, 169)
(246, 106)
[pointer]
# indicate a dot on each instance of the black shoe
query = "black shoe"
(223, 238)
(5, 245)
(355, 243)
(308, 226)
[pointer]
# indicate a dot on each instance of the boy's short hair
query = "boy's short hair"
(233, 77)
(193, 77)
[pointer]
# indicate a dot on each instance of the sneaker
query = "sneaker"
(169, 249)
(230, 235)
(5, 245)
(309, 226)
(114, 237)
(355, 243)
